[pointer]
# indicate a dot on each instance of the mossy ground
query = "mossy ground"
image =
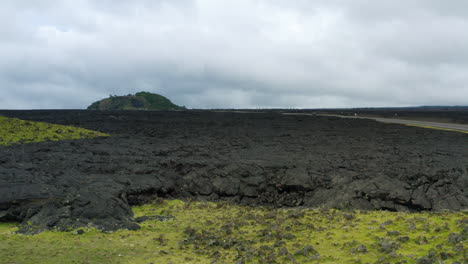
(226, 233)
(16, 131)
(440, 128)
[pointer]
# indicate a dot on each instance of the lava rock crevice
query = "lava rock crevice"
(257, 158)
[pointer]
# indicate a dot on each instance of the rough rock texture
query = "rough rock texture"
(260, 158)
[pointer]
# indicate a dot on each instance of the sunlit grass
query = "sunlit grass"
(440, 128)
(16, 131)
(226, 233)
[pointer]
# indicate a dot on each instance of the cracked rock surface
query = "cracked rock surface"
(249, 158)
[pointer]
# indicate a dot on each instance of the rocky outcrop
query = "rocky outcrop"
(260, 158)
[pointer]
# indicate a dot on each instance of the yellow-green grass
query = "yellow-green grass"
(440, 128)
(226, 233)
(16, 131)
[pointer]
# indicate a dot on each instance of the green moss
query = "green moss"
(16, 131)
(440, 128)
(157, 102)
(226, 233)
(139, 101)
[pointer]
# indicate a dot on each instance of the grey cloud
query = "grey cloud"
(211, 53)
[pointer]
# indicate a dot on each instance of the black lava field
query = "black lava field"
(248, 158)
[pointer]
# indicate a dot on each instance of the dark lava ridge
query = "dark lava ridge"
(254, 159)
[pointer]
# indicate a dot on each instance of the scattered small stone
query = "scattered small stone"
(412, 226)
(446, 226)
(422, 219)
(265, 248)
(387, 246)
(455, 238)
(359, 249)
(459, 248)
(348, 216)
(291, 258)
(403, 239)
(315, 257)
(296, 214)
(350, 244)
(160, 218)
(78, 232)
(445, 255)
(393, 233)
(161, 240)
(421, 240)
(381, 260)
(279, 243)
(282, 251)
(240, 261)
(306, 251)
(425, 260)
(288, 236)
(190, 231)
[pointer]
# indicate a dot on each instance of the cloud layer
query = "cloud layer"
(235, 53)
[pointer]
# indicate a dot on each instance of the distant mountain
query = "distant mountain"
(139, 101)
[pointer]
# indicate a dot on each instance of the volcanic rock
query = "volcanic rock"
(239, 157)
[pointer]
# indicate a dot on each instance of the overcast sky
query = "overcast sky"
(235, 53)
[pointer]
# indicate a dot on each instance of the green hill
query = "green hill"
(139, 101)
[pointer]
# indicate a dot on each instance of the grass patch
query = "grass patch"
(226, 233)
(16, 131)
(440, 128)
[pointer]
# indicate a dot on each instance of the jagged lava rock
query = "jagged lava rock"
(259, 158)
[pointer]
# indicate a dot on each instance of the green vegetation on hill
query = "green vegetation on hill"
(139, 101)
(15, 131)
(225, 233)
